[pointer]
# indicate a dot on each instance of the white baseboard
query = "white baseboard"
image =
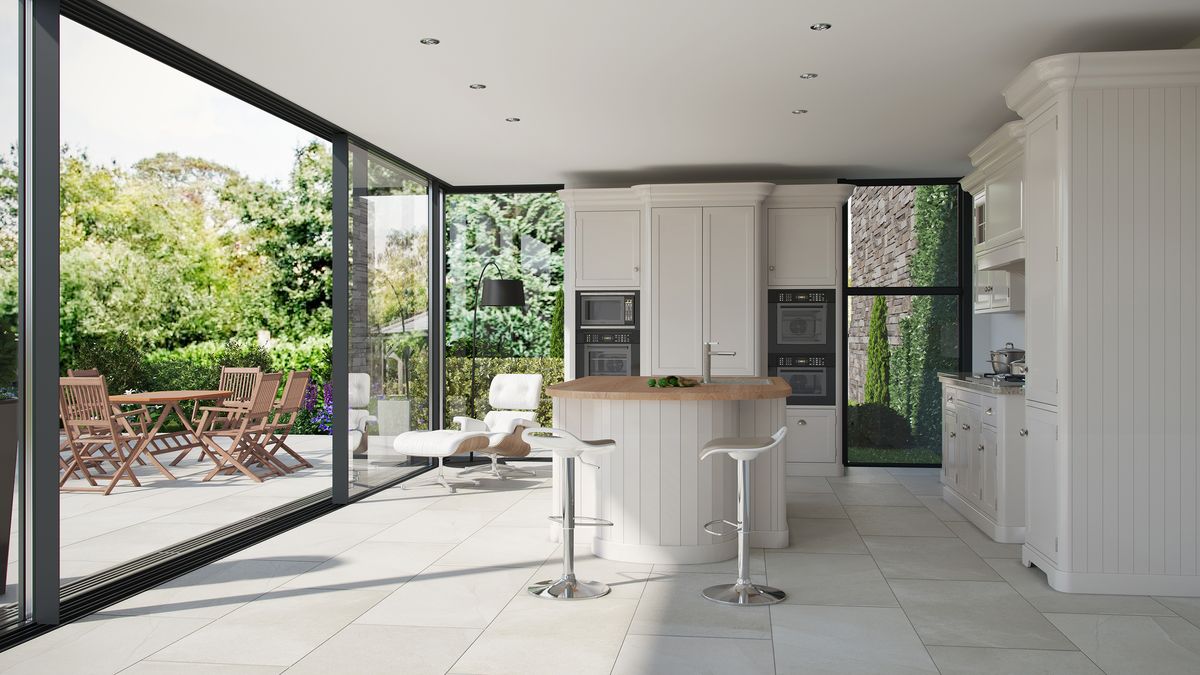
(1109, 583)
(1001, 533)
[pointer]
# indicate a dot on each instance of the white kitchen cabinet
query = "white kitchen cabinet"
(802, 247)
(1041, 488)
(731, 289)
(677, 283)
(983, 458)
(999, 291)
(812, 442)
(1040, 213)
(608, 249)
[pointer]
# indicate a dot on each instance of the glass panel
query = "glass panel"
(195, 237)
(801, 324)
(517, 236)
(389, 317)
(807, 381)
(897, 345)
(10, 490)
(903, 235)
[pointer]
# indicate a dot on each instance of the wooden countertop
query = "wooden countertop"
(636, 389)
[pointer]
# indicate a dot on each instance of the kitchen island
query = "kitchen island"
(653, 487)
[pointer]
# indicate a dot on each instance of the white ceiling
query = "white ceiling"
(626, 91)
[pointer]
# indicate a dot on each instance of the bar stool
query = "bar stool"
(743, 451)
(568, 447)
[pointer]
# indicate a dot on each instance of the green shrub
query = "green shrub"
(875, 425)
(118, 358)
(878, 354)
(557, 326)
(458, 384)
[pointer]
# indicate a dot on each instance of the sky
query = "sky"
(120, 105)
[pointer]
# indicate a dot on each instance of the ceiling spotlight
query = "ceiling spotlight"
(799, 111)
(479, 86)
(808, 76)
(430, 41)
(821, 26)
(512, 119)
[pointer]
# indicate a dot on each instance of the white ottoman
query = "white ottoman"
(440, 444)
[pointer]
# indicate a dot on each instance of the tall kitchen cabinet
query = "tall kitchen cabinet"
(1111, 171)
(996, 187)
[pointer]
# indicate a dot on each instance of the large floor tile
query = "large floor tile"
(1188, 608)
(533, 636)
(627, 580)
(1134, 644)
(983, 544)
(928, 558)
(367, 649)
(493, 501)
(288, 625)
(497, 545)
(923, 485)
(975, 614)
(863, 474)
(874, 494)
(133, 541)
(214, 590)
(149, 667)
(388, 511)
(940, 508)
(375, 565)
(900, 521)
(990, 661)
(436, 527)
(669, 655)
(814, 505)
(824, 535)
(1031, 583)
(757, 566)
(225, 510)
(828, 579)
(451, 597)
(317, 541)
(806, 484)
(850, 640)
(99, 644)
(922, 471)
(672, 605)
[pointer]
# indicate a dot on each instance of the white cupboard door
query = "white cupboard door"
(608, 249)
(677, 273)
(983, 290)
(1040, 216)
(949, 448)
(811, 436)
(731, 294)
(968, 439)
(1003, 207)
(999, 284)
(802, 247)
(1041, 481)
(988, 469)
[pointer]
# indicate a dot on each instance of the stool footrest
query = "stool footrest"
(708, 527)
(585, 521)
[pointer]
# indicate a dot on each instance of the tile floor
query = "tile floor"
(881, 579)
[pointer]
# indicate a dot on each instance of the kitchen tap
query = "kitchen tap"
(706, 372)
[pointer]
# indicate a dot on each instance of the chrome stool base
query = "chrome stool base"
(569, 589)
(744, 594)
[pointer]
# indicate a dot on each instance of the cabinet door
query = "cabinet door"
(811, 436)
(1041, 481)
(802, 247)
(1041, 259)
(1003, 206)
(988, 469)
(983, 290)
(608, 249)
(731, 295)
(949, 448)
(676, 309)
(999, 284)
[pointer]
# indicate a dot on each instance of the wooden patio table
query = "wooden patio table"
(181, 441)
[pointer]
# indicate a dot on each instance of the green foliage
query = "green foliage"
(876, 388)
(935, 226)
(458, 385)
(198, 366)
(876, 425)
(118, 358)
(558, 326)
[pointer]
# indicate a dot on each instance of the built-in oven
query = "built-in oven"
(606, 310)
(801, 321)
(606, 352)
(812, 377)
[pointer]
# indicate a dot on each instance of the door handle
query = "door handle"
(801, 422)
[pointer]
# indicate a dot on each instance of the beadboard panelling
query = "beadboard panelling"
(1134, 301)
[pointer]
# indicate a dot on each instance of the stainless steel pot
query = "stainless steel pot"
(1002, 358)
(1018, 367)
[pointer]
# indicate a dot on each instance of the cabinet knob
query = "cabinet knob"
(987, 289)
(966, 427)
(801, 422)
(771, 268)
(953, 435)
(989, 411)
(1023, 433)
(980, 448)
(637, 269)
(949, 399)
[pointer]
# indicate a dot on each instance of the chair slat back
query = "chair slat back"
(83, 372)
(241, 381)
(263, 397)
(83, 402)
(293, 391)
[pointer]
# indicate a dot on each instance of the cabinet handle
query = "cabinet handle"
(980, 448)
(966, 427)
(949, 399)
(1023, 433)
(801, 422)
(989, 411)
(637, 269)
(771, 268)
(953, 435)
(987, 289)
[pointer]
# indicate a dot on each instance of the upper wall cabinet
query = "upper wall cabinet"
(608, 249)
(802, 246)
(996, 186)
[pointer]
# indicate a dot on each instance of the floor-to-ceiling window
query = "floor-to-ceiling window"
(10, 487)
(389, 317)
(904, 317)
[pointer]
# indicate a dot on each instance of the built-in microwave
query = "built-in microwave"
(801, 321)
(606, 310)
(811, 377)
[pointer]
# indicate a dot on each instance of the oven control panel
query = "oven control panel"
(787, 361)
(609, 338)
(776, 296)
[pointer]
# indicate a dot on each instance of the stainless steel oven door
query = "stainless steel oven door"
(607, 360)
(605, 310)
(802, 325)
(811, 385)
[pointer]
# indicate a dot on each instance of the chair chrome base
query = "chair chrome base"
(565, 588)
(498, 470)
(439, 477)
(743, 594)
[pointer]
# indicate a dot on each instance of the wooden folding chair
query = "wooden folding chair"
(244, 428)
(95, 436)
(241, 381)
(283, 418)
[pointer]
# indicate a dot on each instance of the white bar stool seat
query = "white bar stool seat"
(568, 447)
(742, 450)
(440, 444)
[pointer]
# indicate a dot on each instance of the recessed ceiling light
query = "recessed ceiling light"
(430, 41)
(821, 26)
(808, 76)
(799, 111)
(512, 119)
(479, 86)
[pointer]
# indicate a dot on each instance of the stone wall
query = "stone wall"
(881, 242)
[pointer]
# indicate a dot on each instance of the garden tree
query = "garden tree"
(878, 354)
(523, 234)
(558, 326)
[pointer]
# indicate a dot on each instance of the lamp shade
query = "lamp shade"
(503, 293)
